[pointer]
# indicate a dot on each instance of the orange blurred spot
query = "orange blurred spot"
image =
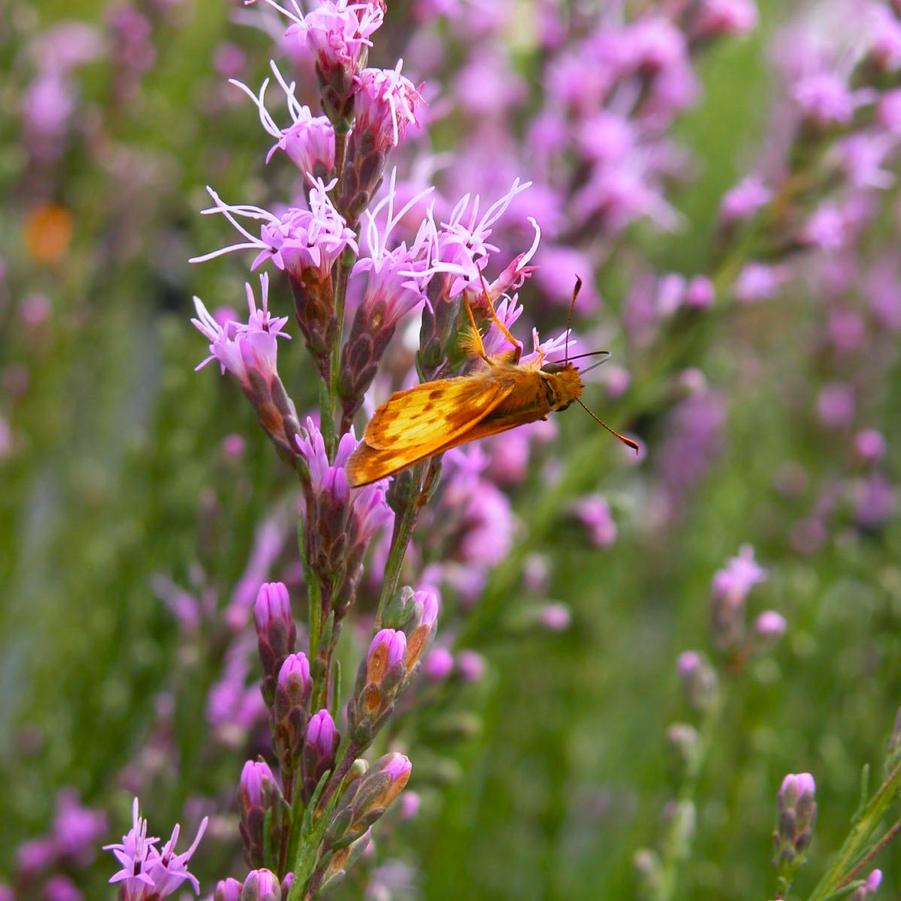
(48, 232)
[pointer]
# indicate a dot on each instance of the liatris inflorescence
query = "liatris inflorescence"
(358, 259)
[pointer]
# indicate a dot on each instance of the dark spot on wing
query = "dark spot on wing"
(434, 394)
(428, 407)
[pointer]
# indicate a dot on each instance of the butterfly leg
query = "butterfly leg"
(478, 348)
(496, 319)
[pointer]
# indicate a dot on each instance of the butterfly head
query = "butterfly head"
(562, 384)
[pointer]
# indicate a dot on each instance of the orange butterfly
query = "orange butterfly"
(433, 417)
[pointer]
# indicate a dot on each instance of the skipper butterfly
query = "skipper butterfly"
(434, 417)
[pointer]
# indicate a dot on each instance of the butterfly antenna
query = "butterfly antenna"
(627, 441)
(593, 366)
(569, 319)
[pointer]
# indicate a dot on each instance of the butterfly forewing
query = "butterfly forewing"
(419, 422)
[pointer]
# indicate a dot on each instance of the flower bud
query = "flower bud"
(386, 654)
(261, 885)
(343, 859)
(410, 802)
(438, 665)
(228, 890)
(648, 873)
(769, 627)
(699, 682)
(555, 617)
(471, 666)
(426, 604)
(259, 794)
(366, 800)
(870, 886)
(276, 632)
(682, 743)
(400, 609)
(292, 693)
(797, 812)
(320, 746)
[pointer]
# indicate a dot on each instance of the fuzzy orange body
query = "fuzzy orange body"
(433, 417)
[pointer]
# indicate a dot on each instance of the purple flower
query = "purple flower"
(863, 156)
(869, 445)
(797, 812)
(309, 141)
(246, 351)
(261, 885)
(76, 828)
(885, 31)
(168, 869)
(134, 854)
(835, 405)
(726, 17)
(438, 665)
(337, 32)
(298, 240)
(758, 281)
(795, 786)
(60, 888)
(736, 579)
(386, 104)
(396, 766)
(36, 856)
(486, 532)
(769, 627)
(257, 782)
(825, 99)
(555, 617)
(386, 651)
(228, 890)
(874, 501)
(427, 603)
(594, 513)
(470, 666)
(322, 734)
(410, 802)
(870, 886)
(745, 199)
(826, 229)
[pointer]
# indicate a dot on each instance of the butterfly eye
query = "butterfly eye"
(553, 368)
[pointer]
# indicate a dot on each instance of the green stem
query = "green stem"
(844, 865)
(404, 524)
(673, 853)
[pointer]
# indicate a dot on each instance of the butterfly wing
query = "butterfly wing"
(416, 423)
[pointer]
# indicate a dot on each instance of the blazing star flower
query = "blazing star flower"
(726, 17)
(244, 349)
(309, 142)
(133, 854)
(169, 870)
(745, 199)
(337, 32)
(76, 828)
(386, 104)
(825, 99)
(739, 575)
(461, 244)
(297, 240)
